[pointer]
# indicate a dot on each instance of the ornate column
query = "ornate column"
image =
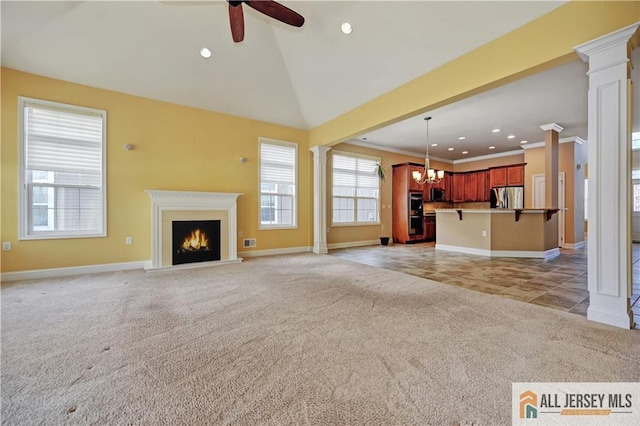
(551, 139)
(320, 198)
(609, 176)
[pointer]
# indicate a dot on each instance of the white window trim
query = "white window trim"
(365, 157)
(294, 214)
(23, 198)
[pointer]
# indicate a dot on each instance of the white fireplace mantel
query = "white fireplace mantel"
(164, 201)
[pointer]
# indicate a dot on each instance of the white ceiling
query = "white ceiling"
(299, 77)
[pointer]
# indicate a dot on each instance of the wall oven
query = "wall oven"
(416, 222)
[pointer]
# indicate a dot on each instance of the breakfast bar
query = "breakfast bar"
(499, 232)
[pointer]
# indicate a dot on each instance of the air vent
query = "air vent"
(249, 242)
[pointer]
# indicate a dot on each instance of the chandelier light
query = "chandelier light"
(428, 175)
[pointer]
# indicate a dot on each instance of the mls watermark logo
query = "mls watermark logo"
(528, 405)
(575, 403)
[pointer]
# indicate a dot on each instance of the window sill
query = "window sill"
(59, 236)
(276, 228)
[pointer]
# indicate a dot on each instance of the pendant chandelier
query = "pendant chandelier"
(428, 175)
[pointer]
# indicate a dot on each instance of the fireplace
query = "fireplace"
(195, 241)
(209, 234)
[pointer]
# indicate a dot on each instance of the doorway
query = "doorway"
(538, 201)
(635, 226)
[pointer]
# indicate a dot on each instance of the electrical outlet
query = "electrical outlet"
(6, 245)
(484, 233)
(239, 234)
(128, 240)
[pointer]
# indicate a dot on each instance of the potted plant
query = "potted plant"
(384, 240)
(379, 170)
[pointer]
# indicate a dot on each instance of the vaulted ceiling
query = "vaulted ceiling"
(299, 77)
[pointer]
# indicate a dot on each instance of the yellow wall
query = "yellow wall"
(542, 44)
(176, 148)
(493, 162)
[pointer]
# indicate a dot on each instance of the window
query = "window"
(356, 189)
(62, 175)
(278, 171)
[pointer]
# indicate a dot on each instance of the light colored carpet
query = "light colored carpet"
(302, 339)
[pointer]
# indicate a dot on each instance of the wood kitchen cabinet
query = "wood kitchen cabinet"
(407, 226)
(515, 175)
(507, 176)
(481, 186)
(498, 177)
(470, 186)
(430, 228)
(458, 190)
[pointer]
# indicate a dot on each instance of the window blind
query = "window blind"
(277, 184)
(62, 141)
(355, 189)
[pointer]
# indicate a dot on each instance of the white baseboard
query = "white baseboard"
(466, 250)
(616, 319)
(548, 254)
(272, 252)
(354, 244)
(74, 270)
(579, 244)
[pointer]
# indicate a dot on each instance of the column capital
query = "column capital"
(552, 126)
(320, 150)
(606, 42)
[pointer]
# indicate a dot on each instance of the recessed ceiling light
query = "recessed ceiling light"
(434, 144)
(205, 53)
(495, 130)
(492, 147)
(346, 28)
(465, 152)
(511, 136)
(451, 149)
(524, 141)
(461, 138)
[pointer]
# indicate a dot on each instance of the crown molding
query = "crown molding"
(488, 157)
(623, 35)
(384, 148)
(552, 126)
(569, 139)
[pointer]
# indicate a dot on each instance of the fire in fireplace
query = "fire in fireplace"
(195, 241)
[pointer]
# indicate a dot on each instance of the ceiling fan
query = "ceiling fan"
(268, 7)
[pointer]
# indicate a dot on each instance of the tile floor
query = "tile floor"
(559, 283)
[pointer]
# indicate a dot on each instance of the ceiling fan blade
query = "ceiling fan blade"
(277, 11)
(236, 20)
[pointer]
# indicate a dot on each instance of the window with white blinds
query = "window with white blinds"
(62, 186)
(356, 189)
(278, 171)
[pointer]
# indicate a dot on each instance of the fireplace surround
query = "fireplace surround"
(178, 206)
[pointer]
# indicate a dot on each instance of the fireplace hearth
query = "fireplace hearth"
(195, 241)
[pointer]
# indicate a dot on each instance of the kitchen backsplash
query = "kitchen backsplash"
(448, 205)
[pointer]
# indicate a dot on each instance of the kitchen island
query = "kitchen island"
(499, 232)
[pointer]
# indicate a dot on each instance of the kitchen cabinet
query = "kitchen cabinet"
(482, 185)
(498, 177)
(515, 175)
(470, 189)
(413, 185)
(407, 199)
(507, 176)
(487, 188)
(430, 228)
(458, 190)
